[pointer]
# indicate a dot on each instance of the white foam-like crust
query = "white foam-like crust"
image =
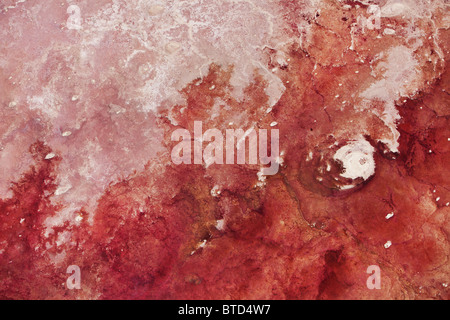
(357, 159)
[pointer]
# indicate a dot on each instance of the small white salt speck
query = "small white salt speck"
(75, 98)
(259, 184)
(447, 204)
(273, 124)
(261, 176)
(287, 81)
(202, 244)
(434, 191)
(66, 133)
(230, 123)
(78, 218)
(430, 151)
(220, 224)
(340, 84)
(22, 220)
(212, 87)
(215, 191)
(356, 71)
(336, 96)
(279, 160)
(389, 215)
(445, 285)
(51, 155)
(438, 198)
(62, 190)
(387, 244)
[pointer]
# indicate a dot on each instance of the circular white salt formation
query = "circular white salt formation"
(357, 159)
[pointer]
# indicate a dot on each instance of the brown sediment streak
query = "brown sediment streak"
(363, 175)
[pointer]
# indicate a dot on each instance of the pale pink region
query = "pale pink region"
(109, 147)
(52, 90)
(86, 89)
(30, 34)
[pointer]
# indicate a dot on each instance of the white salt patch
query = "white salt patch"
(261, 176)
(215, 191)
(220, 224)
(50, 156)
(389, 31)
(62, 189)
(357, 159)
(393, 9)
(399, 72)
